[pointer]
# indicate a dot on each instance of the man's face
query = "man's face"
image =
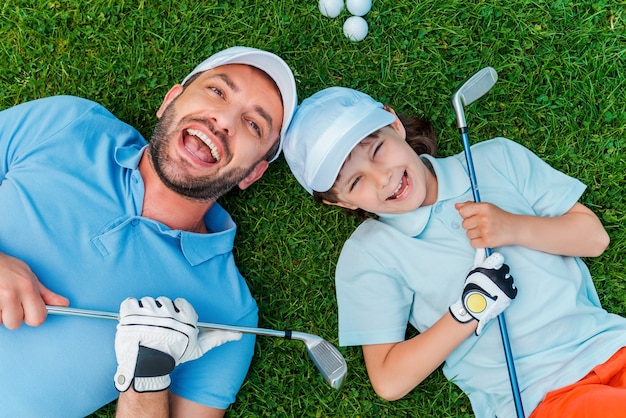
(213, 135)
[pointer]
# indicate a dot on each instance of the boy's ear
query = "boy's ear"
(340, 204)
(396, 124)
(254, 175)
(171, 95)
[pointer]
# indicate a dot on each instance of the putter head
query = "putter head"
(473, 89)
(326, 358)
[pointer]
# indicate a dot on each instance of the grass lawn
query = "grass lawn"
(562, 78)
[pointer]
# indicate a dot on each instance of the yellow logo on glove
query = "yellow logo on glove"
(476, 302)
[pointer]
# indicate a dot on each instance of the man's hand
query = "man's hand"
(22, 297)
(154, 336)
(488, 291)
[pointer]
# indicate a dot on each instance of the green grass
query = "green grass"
(560, 92)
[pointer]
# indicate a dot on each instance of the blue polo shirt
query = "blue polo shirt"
(71, 198)
(411, 268)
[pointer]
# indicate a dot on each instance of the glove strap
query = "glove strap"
(152, 372)
(459, 313)
(153, 363)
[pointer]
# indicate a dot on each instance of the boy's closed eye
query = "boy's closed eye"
(354, 183)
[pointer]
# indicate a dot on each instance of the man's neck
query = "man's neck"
(163, 205)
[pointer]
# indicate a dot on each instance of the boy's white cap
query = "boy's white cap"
(325, 128)
(271, 64)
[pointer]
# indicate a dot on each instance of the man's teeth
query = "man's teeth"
(200, 135)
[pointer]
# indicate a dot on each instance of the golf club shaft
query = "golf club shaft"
(508, 354)
(61, 310)
(326, 357)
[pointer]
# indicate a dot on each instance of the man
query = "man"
(91, 215)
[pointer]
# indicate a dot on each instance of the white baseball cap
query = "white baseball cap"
(271, 64)
(325, 129)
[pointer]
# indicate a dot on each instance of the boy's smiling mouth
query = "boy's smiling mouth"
(402, 186)
(197, 144)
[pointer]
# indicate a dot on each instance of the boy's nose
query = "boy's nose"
(382, 177)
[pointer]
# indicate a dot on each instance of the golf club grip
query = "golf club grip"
(61, 310)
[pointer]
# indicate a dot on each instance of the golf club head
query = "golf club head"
(472, 90)
(326, 358)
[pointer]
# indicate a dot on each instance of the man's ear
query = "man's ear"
(340, 204)
(171, 95)
(254, 175)
(396, 124)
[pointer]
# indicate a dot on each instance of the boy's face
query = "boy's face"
(383, 174)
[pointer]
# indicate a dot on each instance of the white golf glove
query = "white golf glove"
(488, 291)
(154, 336)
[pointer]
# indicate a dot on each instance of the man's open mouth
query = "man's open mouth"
(200, 146)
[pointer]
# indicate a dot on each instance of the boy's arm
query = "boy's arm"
(578, 232)
(397, 368)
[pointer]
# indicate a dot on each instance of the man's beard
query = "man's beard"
(172, 173)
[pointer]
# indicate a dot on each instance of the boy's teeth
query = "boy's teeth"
(395, 192)
(399, 189)
(200, 135)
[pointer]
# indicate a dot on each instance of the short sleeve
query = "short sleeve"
(374, 304)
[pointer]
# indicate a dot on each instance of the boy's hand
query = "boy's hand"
(486, 225)
(154, 336)
(488, 291)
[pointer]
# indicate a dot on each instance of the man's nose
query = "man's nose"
(225, 120)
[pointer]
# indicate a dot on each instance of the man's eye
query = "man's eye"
(256, 127)
(217, 91)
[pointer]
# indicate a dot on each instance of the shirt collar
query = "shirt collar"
(196, 248)
(452, 181)
(128, 157)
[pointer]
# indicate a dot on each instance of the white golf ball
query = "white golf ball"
(355, 28)
(331, 8)
(359, 7)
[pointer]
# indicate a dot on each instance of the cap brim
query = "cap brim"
(336, 155)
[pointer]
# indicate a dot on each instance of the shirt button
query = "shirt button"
(438, 208)
(455, 225)
(134, 222)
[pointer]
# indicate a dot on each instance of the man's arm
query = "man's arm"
(132, 404)
(161, 404)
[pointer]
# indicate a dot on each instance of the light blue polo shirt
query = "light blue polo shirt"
(70, 202)
(411, 268)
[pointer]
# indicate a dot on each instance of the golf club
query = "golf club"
(324, 355)
(473, 89)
